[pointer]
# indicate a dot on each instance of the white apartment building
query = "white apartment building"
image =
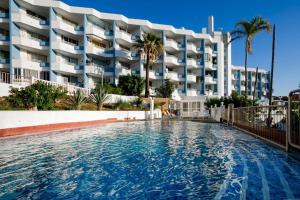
(50, 40)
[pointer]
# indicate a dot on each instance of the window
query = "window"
(185, 106)
(44, 75)
(69, 21)
(69, 40)
(69, 60)
(28, 74)
(215, 60)
(36, 57)
(34, 15)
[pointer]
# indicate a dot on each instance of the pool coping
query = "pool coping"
(37, 129)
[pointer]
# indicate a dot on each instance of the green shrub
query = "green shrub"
(122, 105)
(131, 85)
(166, 90)
(112, 89)
(99, 96)
(237, 100)
(39, 96)
(76, 99)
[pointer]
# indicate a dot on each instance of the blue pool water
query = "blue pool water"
(146, 160)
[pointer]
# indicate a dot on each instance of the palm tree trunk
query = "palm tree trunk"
(246, 74)
(271, 78)
(147, 76)
(272, 68)
(255, 83)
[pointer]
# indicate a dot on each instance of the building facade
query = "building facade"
(50, 40)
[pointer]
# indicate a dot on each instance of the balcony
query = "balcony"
(210, 80)
(95, 70)
(4, 63)
(67, 68)
(127, 37)
(124, 53)
(4, 40)
(29, 20)
(174, 76)
(192, 63)
(122, 71)
(30, 64)
(68, 27)
(4, 14)
(99, 32)
(191, 48)
(173, 60)
(173, 45)
(208, 50)
(191, 78)
(154, 74)
(31, 43)
(67, 47)
(192, 92)
(92, 49)
(209, 65)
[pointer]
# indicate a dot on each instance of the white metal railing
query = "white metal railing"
(69, 88)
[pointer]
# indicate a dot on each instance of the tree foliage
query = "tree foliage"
(151, 48)
(248, 30)
(131, 85)
(166, 90)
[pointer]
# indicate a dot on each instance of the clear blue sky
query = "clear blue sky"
(192, 14)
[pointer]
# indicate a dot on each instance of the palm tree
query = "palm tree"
(249, 30)
(77, 99)
(99, 96)
(151, 47)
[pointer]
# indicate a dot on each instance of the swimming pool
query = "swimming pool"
(139, 160)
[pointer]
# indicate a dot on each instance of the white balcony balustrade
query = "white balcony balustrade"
(99, 32)
(125, 36)
(30, 64)
(191, 78)
(192, 63)
(60, 24)
(31, 43)
(192, 92)
(210, 80)
(68, 47)
(96, 50)
(191, 48)
(29, 20)
(67, 68)
(169, 59)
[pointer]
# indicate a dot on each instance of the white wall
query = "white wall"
(13, 119)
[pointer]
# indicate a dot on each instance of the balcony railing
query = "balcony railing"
(4, 15)
(4, 38)
(44, 43)
(44, 22)
(78, 28)
(4, 60)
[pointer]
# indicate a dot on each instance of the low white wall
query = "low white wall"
(13, 119)
(4, 88)
(217, 112)
(114, 98)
